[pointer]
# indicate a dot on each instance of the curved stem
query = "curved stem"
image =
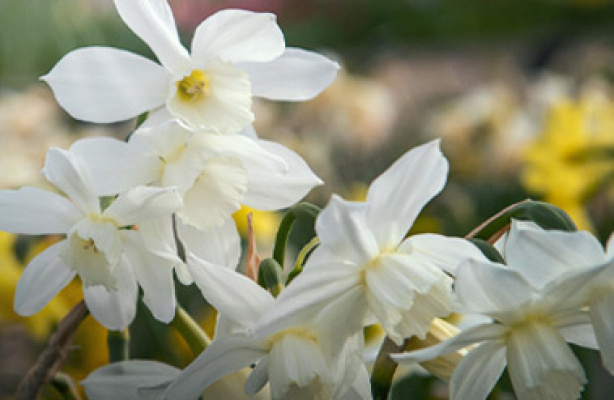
(192, 333)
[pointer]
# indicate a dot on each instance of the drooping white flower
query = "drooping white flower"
(403, 282)
(536, 303)
(235, 54)
(306, 360)
(215, 175)
(110, 258)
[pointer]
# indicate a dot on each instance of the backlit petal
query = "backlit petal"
(603, 323)
(223, 357)
(42, 279)
(478, 372)
(220, 246)
(143, 203)
(153, 22)
(237, 35)
(100, 84)
(273, 189)
(541, 256)
(232, 294)
(296, 75)
(115, 166)
(542, 366)
(69, 173)
(115, 309)
(398, 195)
(121, 380)
(32, 211)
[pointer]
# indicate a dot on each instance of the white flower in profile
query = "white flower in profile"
(235, 54)
(306, 360)
(214, 174)
(536, 303)
(403, 282)
(110, 258)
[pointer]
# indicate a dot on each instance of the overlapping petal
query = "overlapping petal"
(143, 203)
(275, 188)
(479, 371)
(114, 309)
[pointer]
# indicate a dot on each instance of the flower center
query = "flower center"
(194, 87)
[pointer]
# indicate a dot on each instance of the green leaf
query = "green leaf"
(488, 250)
(543, 214)
(305, 212)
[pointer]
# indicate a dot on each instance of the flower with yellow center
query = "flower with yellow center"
(307, 360)
(110, 258)
(235, 54)
(403, 282)
(536, 303)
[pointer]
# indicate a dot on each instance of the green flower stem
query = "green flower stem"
(384, 369)
(119, 345)
(192, 333)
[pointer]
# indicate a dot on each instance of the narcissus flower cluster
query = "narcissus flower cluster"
(137, 214)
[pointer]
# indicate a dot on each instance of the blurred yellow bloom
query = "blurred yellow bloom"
(563, 164)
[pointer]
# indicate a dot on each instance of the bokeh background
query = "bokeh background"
(520, 93)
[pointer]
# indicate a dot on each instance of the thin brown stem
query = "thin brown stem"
(54, 355)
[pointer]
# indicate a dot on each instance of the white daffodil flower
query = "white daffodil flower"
(235, 54)
(110, 258)
(215, 175)
(303, 361)
(537, 305)
(403, 282)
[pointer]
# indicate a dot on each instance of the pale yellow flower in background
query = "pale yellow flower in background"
(562, 163)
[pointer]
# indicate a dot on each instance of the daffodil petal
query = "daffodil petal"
(398, 195)
(306, 296)
(603, 324)
(143, 203)
(541, 256)
(341, 226)
(121, 380)
(237, 35)
(483, 287)
(478, 371)
(475, 334)
(101, 84)
(114, 165)
(115, 309)
(33, 211)
(155, 276)
(223, 357)
(542, 366)
(274, 189)
(296, 75)
(42, 279)
(248, 301)
(153, 22)
(220, 246)
(444, 252)
(69, 173)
